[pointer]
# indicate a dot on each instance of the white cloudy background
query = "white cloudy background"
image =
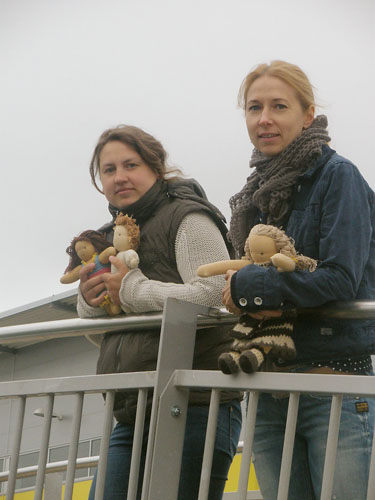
(70, 69)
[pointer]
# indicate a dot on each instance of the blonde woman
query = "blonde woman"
(321, 201)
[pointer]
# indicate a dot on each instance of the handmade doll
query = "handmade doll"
(90, 246)
(254, 339)
(85, 249)
(126, 239)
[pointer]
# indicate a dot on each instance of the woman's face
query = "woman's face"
(124, 175)
(274, 115)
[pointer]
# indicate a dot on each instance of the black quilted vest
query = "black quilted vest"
(159, 216)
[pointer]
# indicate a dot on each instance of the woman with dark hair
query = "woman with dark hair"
(176, 221)
(321, 201)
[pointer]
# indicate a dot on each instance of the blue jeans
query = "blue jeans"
(227, 435)
(353, 453)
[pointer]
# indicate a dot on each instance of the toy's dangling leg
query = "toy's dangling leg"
(228, 361)
(110, 308)
(251, 360)
(242, 332)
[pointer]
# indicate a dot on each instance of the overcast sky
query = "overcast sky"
(70, 69)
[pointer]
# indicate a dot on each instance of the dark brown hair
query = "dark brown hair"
(96, 238)
(149, 149)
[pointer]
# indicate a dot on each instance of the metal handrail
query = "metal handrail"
(61, 466)
(51, 467)
(359, 309)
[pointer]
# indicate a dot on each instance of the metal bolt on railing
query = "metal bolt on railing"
(176, 411)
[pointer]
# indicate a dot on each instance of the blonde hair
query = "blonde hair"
(284, 245)
(288, 73)
(132, 229)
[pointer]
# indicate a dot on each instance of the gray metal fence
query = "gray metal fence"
(170, 384)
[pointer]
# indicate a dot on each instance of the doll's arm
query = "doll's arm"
(221, 267)
(105, 255)
(131, 259)
(283, 262)
(71, 276)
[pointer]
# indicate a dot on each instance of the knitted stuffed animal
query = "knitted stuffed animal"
(85, 249)
(254, 339)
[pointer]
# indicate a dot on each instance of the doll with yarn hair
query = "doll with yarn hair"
(91, 246)
(126, 238)
(254, 340)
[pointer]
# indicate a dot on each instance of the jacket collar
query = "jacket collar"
(327, 152)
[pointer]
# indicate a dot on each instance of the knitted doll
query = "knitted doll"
(89, 246)
(126, 239)
(84, 249)
(254, 339)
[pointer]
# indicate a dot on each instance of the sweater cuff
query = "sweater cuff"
(255, 288)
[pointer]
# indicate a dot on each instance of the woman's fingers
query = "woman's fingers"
(92, 289)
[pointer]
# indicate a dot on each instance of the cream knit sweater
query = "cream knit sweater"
(198, 241)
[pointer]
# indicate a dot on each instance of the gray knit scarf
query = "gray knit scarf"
(270, 187)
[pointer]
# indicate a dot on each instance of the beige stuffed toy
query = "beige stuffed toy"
(126, 239)
(91, 246)
(254, 339)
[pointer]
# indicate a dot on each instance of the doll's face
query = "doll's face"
(261, 248)
(85, 250)
(121, 239)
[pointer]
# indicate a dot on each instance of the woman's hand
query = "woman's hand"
(227, 296)
(112, 281)
(232, 308)
(92, 289)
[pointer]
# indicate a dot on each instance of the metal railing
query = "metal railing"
(170, 384)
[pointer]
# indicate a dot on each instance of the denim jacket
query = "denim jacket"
(332, 220)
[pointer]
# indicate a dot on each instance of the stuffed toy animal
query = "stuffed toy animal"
(255, 339)
(85, 249)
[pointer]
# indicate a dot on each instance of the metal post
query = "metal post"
(104, 443)
(43, 454)
(16, 448)
(176, 350)
(331, 449)
(286, 461)
(209, 446)
(137, 444)
(73, 447)
(53, 486)
(248, 445)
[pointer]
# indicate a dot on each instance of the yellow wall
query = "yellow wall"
(81, 488)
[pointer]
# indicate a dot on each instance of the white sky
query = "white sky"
(70, 69)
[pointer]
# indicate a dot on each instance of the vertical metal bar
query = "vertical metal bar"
(16, 448)
(73, 446)
(209, 445)
(331, 448)
(104, 443)
(53, 486)
(248, 445)
(43, 454)
(286, 460)
(137, 444)
(371, 479)
(176, 350)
